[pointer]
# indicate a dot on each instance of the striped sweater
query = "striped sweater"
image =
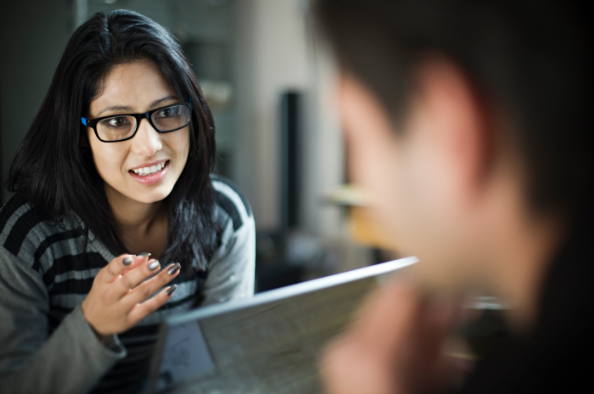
(46, 345)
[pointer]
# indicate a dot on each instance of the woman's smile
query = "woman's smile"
(151, 173)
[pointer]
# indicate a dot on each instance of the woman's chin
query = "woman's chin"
(153, 196)
(144, 195)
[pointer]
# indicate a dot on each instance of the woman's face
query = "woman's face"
(138, 87)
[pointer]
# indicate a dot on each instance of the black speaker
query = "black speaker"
(290, 160)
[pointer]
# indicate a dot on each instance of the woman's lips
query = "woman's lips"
(152, 178)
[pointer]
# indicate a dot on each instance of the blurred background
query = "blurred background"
(269, 85)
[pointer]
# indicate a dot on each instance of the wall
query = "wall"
(275, 53)
(34, 34)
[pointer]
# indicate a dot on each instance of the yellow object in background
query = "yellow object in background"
(363, 229)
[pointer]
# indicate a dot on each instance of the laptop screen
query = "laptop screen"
(266, 344)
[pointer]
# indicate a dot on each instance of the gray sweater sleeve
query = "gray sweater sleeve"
(70, 360)
(232, 268)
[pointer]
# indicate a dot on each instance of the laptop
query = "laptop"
(266, 344)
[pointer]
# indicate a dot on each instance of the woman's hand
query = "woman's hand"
(396, 346)
(115, 302)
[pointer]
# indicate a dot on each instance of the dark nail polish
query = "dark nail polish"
(174, 269)
(127, 261)
(143, 254)
(154, 265)
(171, 289)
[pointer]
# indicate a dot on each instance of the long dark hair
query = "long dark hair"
(53, 168)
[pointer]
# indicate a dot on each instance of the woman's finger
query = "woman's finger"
(150, 287)
(139, 259)
(142, 310)
(137, 275)
(115, 268)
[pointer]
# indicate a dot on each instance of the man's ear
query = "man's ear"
(461, 119)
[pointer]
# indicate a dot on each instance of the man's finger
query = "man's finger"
(348, 368)
(388, 316)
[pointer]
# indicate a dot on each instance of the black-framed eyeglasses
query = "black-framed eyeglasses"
(116, 128)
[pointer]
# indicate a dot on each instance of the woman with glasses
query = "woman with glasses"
(115, 222)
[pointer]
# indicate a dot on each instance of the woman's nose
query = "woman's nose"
(147, 140)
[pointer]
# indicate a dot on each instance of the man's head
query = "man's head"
(462, 117)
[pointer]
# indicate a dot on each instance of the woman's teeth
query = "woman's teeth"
(149, 170)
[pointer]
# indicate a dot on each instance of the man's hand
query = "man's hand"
(395, 346)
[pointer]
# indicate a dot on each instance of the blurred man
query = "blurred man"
(468, 124)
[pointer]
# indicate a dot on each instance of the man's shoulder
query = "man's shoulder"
(231, 200)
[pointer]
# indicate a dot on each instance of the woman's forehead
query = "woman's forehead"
(132, 86)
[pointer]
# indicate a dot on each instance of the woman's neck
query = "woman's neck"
(143, 226)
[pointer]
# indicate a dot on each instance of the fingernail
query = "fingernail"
(154, 265)
(143, 254)
(171, 289)
(127, 261)
(174, 269)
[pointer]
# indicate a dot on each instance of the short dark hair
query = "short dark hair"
(54, 169)
(528, 58)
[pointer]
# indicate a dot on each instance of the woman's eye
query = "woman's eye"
(167, 113)
(118, 121)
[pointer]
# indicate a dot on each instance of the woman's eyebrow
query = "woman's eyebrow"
(157, 102)
(130, 109)
(115, 108)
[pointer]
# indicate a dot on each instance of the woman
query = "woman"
(116, 222)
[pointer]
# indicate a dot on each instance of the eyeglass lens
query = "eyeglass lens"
(164, 120)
